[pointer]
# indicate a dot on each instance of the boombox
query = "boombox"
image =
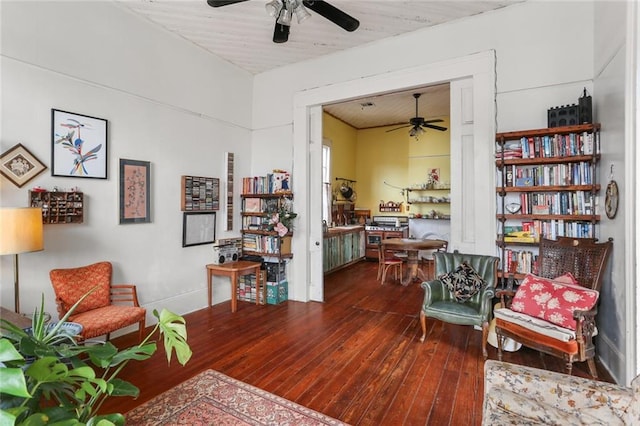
(227, 250)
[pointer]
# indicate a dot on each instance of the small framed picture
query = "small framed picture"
(19, 165)
(78, 145)
(198, 228)
(135, 191)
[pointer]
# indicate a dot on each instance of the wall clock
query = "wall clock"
(611, 200)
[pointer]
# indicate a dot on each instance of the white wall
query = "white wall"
(609, 109)
(167, 102)
(544, 58)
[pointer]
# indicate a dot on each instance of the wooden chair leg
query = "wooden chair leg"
(499, 340)
(423, 324)
(568, 367)
(141, 329)
(592, 368)
(485, 335)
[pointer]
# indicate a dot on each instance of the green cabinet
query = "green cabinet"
(342, 246)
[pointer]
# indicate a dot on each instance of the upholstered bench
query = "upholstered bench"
(515, 394)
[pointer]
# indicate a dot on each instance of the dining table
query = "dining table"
(412, 246)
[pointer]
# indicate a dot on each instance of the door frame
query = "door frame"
(473, 121)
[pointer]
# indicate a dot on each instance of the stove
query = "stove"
(388, 223)
(382, 227)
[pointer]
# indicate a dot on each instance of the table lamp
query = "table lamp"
(20, 232)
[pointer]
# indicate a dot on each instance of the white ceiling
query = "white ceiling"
(242, 35)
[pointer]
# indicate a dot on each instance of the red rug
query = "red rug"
(211, 398)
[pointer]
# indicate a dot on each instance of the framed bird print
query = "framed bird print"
(78, 145)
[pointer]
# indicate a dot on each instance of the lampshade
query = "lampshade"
(21, 230)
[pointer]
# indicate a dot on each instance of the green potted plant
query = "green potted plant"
(47, 378)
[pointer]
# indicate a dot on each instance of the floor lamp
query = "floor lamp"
(20, 232)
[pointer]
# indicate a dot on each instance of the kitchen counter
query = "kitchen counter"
(343, 246)
(336, 230)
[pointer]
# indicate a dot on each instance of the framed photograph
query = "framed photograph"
(198, 228)
(135, 191)
(19, 165)
(78, 145)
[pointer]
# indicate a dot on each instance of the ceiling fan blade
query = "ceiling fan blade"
(401, 127)
(280, 33)
(333, 14)
(433, 126)
(218, 3)
(436, 120)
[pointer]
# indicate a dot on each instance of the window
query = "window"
(326, 181)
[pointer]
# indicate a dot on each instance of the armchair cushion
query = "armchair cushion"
(552, 301)
(463, 282)
(73, 283)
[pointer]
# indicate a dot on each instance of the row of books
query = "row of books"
(551, 229)
(549, 175)
(261, 243)
(519, 262)
(272, 183)
(560, 203)
(550, 146)
(254, 223)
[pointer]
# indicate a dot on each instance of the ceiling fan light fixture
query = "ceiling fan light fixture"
(286, 15)
(273, 7)
(302, 14)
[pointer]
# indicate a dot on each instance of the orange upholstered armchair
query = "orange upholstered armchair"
(102, 312)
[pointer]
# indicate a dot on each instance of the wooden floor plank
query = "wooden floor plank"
(356, 357)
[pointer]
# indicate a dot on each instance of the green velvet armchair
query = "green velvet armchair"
(440, 302)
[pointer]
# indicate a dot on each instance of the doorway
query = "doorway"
(472, 80)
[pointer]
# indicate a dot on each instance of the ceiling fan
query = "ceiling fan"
(418, 124)
(283, 11)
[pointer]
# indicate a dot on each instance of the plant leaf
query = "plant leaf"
(139, 353)
(12, 382)
(124, 388)
(8, 352)
(173, 327)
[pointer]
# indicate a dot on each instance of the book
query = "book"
(252, 205)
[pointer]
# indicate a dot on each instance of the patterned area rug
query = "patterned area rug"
(211, 398)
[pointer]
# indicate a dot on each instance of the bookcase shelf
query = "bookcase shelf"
(258, 237)
(550, 176)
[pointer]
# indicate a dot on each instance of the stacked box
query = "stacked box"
(277, 292)
(275, 271)
(247, 288)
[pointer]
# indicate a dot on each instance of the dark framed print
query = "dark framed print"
(135, 191)
(78, 145)
(19, 165)
(198, 228)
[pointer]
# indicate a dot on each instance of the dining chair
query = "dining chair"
(387, 260)
(427, 262)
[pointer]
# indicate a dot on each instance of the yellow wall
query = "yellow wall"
(373, 156)
(343, 149)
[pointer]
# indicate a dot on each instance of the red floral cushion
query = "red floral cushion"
(552, 300)
(73, 283)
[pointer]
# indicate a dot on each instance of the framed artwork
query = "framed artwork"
(19, 165)
(78, 145)
(198, 228)
(229, 165)
(135, 191)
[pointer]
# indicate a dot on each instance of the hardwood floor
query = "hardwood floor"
(355, 357)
